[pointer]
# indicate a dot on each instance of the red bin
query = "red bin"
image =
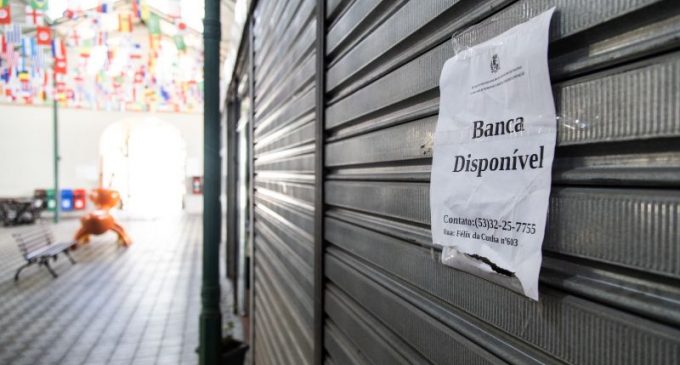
(197, 185)
(79, 199)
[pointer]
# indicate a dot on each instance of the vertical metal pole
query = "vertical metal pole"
(55, 134)
(251, 179)
(232, 234)
(319, 182)
(211, 316)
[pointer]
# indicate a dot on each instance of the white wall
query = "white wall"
(26, 148)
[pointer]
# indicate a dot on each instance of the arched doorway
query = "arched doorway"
(145, 160)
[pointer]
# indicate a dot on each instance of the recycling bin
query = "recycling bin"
(51, 200)
(79, 199)
(66, 200)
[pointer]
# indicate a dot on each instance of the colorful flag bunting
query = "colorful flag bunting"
(136, 52)
(24, 76)
(6, 75)
(60, 66)
(179, 42)
(13, 34)
(102, 38)
(28, 46)
(154, 44)
(21, 65)
(103, 7)
(69, 14)
(144, 12)
(136, 9)
(58, 49)
(34, 16)
(154, 24)
(165, 94)
(12, 57)
(120, 75)
(139, 76)
(39, 4)
(5, 15)
(74, 38)
(125, 23)
(38, 61)
(44, 35)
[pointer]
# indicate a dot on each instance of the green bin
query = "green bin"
(51, 200)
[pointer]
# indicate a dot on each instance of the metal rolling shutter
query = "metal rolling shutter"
(284, 33)
(610, 282)
(610, 279)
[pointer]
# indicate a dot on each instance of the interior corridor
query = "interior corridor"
(114, 306)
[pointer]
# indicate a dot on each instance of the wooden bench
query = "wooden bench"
(38, 246)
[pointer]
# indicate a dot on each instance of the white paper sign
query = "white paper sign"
(493, 152)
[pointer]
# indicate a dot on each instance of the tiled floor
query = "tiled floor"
(115, 306)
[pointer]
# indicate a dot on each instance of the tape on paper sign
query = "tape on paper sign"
(493, 153)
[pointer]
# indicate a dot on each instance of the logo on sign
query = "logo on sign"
(495, 63)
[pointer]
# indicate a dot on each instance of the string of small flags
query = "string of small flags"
(104, 58)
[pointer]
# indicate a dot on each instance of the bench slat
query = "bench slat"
(31, 242)
(38, 245)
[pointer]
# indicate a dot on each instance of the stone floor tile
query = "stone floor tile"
(116, 305)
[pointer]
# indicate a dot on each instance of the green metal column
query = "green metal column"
(55, 134)
(211, 317)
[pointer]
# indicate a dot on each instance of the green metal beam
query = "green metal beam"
(211, 316)
(55, 135)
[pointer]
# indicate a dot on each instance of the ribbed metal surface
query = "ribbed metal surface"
(284, 33)
(610, 281)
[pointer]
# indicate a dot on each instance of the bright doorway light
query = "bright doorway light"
(145, 160)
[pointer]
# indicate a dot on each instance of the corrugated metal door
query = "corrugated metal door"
(284, 67)
(610, 279)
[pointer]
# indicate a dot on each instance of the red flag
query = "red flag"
(44, 35)
(139, 77)
(102, 38)
(5, 16)
(135, 9)
(60, 66)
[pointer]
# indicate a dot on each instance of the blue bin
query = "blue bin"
(66, 200)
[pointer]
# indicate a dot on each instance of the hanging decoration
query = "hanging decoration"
(5, 15)
(44, 35)
(34, 16)
(123, 55)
